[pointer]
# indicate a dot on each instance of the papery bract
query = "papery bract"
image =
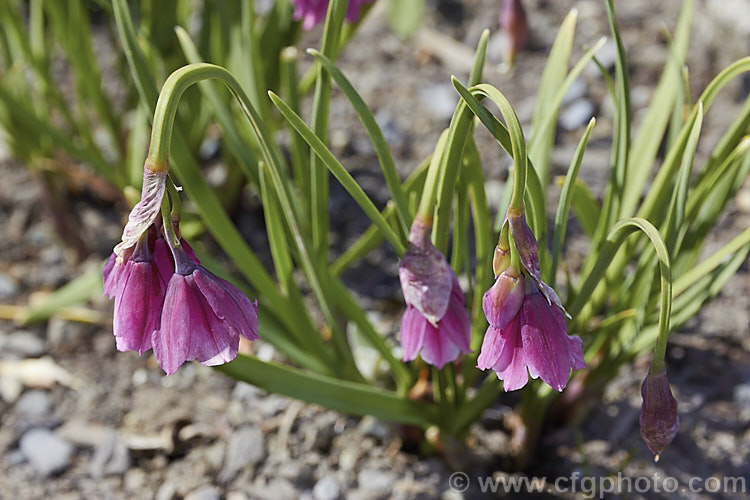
(144, 212)
(202, 318)
(659, 418)
(425, 275)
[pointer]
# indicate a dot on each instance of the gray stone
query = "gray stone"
(376, 480)
(440, 99)
(327, 488)
(24, 344)
(374, 428)
(166, 491)
(111, 456)
(34, 403)
(576, 115)
(246, 448)
(47, 453)
(576, 91)
(207, 492)
(8, 286)
(742, 396)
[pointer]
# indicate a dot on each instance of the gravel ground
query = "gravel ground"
(94, 423)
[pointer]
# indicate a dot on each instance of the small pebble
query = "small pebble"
(24, 344)
(327, 488)
(8, 286)
(576, 115)
(742, 396)
(207, 492)
(376, 480)
(440, 99)
(246, 448)
(110, 457)
(166, 491)
(34, 403)
(47, 453)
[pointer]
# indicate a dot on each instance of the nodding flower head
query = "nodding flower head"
(527, 333)
(535, 338)
(435, 322)
(202, 318)
(164, 298)
(659, 419)
(311, 12)
(442, 342)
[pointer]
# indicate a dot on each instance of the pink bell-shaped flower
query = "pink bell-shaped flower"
(202, 318)
(527, 325)
(535, 338)
(442, 342)
(138, 289)
(435, 321)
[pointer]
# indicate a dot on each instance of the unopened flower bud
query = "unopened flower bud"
(514, 24)
(500, 261)
(659, 419)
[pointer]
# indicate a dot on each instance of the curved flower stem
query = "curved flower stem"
(617, 236)
(429, 192)
(164, 116)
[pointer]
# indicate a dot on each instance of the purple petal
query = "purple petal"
(437, 350)
(189, 250)
(227, 302)
(137, 306)
(213, 342)
(413, 326)
(456, 324)
(172, 341)
(528, 251)
(162, 259)
(111, 275)
(511, 366)
(545, 341)
(575, 344)
(503, 300)
(492, 348)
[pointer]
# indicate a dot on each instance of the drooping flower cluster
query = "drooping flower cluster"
(311, 12)
(164, 298)
(435, 321)
(527, 326)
